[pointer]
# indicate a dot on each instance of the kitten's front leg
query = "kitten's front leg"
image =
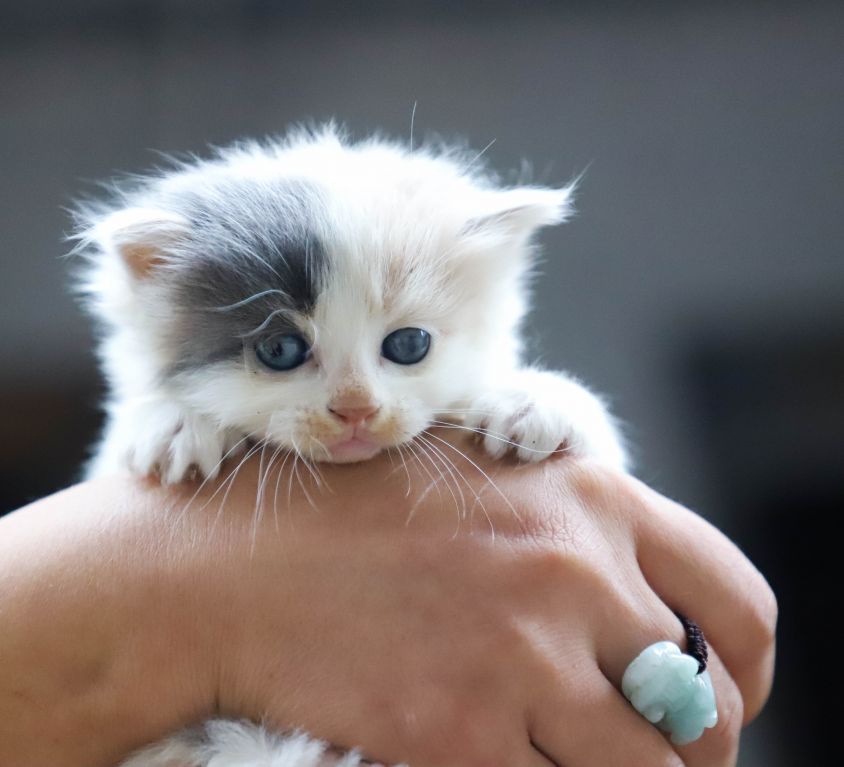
(538, 413)
(156, 436)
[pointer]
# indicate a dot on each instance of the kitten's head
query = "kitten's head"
(331, 297)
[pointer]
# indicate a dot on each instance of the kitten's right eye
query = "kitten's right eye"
(283, 351)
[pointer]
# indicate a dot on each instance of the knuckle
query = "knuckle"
(758, 617)
(764, 614)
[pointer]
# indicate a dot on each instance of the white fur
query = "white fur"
(421, 239)
(241, 744)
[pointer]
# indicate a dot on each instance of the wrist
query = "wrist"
(99, 652)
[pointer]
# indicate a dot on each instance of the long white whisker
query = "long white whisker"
(453, 470)
(481, 153)
(229, 475)
(412, 446)
(406, 470)
(206, 479)
(478, 499)
(482, 472)
(418, 502)
(300, 457)
(270, 317)
(449, 467)
(277, 481)
(428, 488)
(259, 495)
(412, 119)
(265, 480)
(428, 454)
(229, 483)
(250, 299)
(484, 432)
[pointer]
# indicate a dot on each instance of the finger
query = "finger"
(718, 747)
(700, 573)
(627, 624)
(583, 721)
(642, 619)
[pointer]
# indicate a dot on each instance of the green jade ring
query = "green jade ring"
(672, 689)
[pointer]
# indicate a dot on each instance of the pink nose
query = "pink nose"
(354, 415)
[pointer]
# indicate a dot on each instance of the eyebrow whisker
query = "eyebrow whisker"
(270, 317)
(250, 299)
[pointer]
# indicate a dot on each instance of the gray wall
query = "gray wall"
(712, 133)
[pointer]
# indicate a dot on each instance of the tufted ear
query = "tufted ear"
(521, 211)
(141, 237)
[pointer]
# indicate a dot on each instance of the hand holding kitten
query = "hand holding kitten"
(428, 641)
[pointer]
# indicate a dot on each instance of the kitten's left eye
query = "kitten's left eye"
(406, 346)
(283, 351)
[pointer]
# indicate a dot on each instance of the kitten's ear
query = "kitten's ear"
(521, 211)
(141, 237)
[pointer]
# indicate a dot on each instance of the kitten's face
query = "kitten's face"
(332, 300)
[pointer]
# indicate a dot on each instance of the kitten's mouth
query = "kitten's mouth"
(354, 449)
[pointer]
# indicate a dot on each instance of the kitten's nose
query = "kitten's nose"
(354, 415)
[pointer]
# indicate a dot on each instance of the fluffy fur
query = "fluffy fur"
(340, 244)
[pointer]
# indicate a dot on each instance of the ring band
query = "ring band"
(695, 642)
(673, 689)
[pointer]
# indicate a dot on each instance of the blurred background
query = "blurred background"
(701, 286)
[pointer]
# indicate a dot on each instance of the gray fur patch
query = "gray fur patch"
(253, 263)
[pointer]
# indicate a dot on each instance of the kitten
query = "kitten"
(330, 298)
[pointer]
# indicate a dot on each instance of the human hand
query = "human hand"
(380, 618)
(499, 638)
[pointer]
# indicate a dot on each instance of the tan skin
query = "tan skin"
(375, 619)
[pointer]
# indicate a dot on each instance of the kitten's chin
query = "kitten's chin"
(352, 451)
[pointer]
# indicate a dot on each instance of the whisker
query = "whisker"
(478, 499)
(250, 299)
(277, 482)
(481, 153)
(426, 452)
(206, 479)
(269, 318)
(412, 446)
(263, 473)
(461, 511)
(500, 437)
(428, 488)
(418, 502)
(299, 457)
(265, 479)
(228, 476)
(482, 472)
(412, 119)
(228, 483)
(454, 469)
(406, 470)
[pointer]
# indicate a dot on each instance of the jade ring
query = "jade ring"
(672, 690)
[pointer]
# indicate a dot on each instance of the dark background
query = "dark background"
(701, 285)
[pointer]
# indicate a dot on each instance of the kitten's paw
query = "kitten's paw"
(158, 437)
(540, 413)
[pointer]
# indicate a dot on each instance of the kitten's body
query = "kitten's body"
(320, 252)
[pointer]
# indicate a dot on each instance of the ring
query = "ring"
(673, 689)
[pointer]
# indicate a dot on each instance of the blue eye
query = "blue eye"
(283, 351)
(406, 346)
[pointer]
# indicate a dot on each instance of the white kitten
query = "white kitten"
(330, 298)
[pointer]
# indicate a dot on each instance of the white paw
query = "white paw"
(539, 413)
(158, 437)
